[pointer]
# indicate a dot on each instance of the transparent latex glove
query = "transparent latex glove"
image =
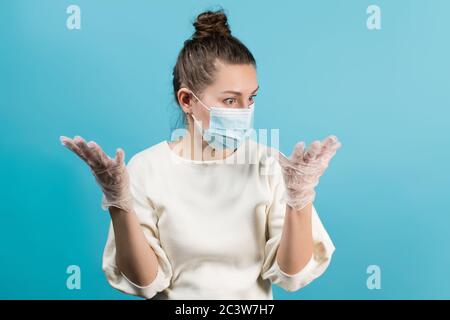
(302, 170)
(111, 174)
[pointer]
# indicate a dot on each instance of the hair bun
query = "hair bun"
(209, 23)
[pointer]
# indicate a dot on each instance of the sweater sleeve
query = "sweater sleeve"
(147, 216)
(323, 246)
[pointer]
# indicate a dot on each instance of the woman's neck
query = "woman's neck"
(193, 147)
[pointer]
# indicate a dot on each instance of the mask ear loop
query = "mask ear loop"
(194, 120)
(192, 114)
(204, 105)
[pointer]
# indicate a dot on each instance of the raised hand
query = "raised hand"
(302, 170)
(111, 174)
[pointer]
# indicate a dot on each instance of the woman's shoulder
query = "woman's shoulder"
(148, 155)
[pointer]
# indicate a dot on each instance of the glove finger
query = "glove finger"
(100, 155)
(64, 139)
(312, 151)
(331, 149)
(95, 153)
(120, 156)
(297, 153)
(87, 152)
(317, 149)
(327, 144)
(70, 144)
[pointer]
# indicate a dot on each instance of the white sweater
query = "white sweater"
(215, 226)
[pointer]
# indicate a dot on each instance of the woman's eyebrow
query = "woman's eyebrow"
(237, 92)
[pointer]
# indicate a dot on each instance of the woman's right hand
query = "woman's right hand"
(110, 174)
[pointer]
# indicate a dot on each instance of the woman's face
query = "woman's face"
(235, 86)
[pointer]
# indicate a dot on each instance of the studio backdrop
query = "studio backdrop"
(373, 73)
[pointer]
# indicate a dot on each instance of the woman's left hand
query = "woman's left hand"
(302, 170)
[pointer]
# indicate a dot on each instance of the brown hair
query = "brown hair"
(195, 67)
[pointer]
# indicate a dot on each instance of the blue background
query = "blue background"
(384, 93)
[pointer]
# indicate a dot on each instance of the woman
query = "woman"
(206, 225)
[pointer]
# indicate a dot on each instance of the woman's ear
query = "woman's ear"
(185, 100)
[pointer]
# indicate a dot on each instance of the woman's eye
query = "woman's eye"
(230, 101)
(252, 97)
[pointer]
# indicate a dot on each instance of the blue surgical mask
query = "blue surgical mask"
(228, 127)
